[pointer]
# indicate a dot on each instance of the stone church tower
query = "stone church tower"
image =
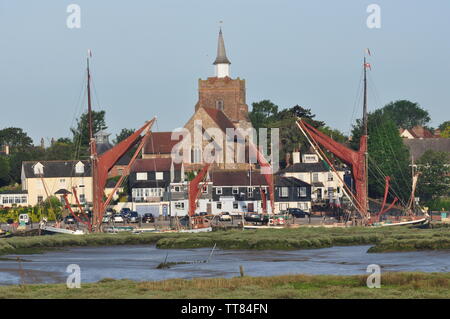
(222, 92)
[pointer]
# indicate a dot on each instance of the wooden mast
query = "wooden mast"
(93, 150)
(365, 205)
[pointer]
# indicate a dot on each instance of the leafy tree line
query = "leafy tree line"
(388, 154)
(21, 146)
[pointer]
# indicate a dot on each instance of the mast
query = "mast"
(366, 150)
(93, 150)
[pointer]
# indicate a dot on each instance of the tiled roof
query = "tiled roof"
(417, 147)
(222, 121)
(57, 168)
(289, 181)
(154, 165)
(160, 143)
(237, 178)
(307, 167)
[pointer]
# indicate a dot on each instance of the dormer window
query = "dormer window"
(219, 105)
(38, 169)
(79, 168)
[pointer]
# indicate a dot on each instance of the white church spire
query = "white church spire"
(222, 64)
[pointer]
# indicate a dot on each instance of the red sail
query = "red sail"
(356, 159)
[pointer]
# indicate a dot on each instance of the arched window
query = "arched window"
(219, 105)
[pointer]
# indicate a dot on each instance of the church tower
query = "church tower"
(223, 93)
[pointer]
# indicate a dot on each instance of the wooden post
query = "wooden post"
(241, 270)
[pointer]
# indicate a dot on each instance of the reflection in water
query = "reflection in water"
(140, 262)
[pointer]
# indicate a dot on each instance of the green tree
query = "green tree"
(62, 149)
(445, 129)
(16, 138)
(406, 114)
(262, 113)
(124, 133)
(5, 171)
(434, 181)
(81, 131)
(388, 156)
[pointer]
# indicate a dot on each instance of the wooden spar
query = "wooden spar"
(101, 164)
(323, 157)
(365, 204)
(127, 169)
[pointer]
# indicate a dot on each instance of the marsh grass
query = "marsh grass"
(393, 285)
(382, 239)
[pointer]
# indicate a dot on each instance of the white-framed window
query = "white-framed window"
(235, 205)
(79, 168)
(219, 205)
(301, 191)
(38, 169)
(205, 189)
(141, 176)
(284, 191)
(176, 188)
(235, 190)
(250, 191)
(315, 177)
(179, 205)
(218, 190)
(159, 176)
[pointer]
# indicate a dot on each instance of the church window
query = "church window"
(219, 105)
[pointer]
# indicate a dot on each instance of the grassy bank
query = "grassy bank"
(383, 239)
(393, 285)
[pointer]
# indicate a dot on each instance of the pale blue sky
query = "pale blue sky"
(148, 56)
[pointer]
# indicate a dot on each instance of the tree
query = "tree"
(265, 114)
(5, 171)
(124, 133)
(445, 129)
(81, 131)
(62, 149)
(262, 113)
(406, 114)
(434, 181)
(15, 138)
(388, 156)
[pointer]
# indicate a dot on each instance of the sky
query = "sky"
(149, 55)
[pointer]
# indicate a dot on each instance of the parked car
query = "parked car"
(298, 213)
(256, 218)
(125, 212)
(106, 219)
(148, 218)
(118, 218)
(69, 219)
(225, 216)
(133, 217)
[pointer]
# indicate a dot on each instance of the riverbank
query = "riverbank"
(393, 286)
(383, 239)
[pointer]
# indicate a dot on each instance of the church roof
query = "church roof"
(160, 143)
(221, 54)
(222, 121)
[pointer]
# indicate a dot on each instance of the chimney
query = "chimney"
(295, 157)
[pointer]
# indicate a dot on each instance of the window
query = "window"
(205, 189)
(176, 188)
(179, 205)
(250, 191)
(219, 205)
(141, 176)
(219, 105)
(40, 199)
(82, 198)
(315, 177)
(159, 176)
(235, 205)
(79, 168)
(330, 177)
(120, 171)
(301, 192)
(284, 191)
(218, 190)
(235, 191)
(38, 169)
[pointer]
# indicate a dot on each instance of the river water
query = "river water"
(140, 262)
